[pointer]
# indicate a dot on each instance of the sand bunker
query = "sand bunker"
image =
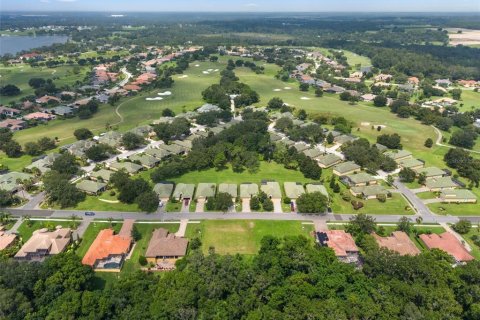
(166, 93)
(154, 99)
(182, 77)
(216, 70)
(365, 123)
(276, 90)
(206, 72)
(197, 65)
(287, 88)
(305, 98)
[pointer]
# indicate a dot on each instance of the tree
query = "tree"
(404, 225)
(254, 203)
(330, 138)
(46, 143)
(58, 189)
(32, 149)
(12, 148)
(267, 204)
(462, 226)
(83, 134)
(319, 92)
(66, 164)
(361, 224)
(147, 201)
(380, 101)
(167, 112)
(304, 86)
(275, 103)
(428, 143)
(6, 198)
(134, 188)
(99, 152)
(36, 82)
(284, 124)
(9, 90)
(456, 94)
(221, 202)
(315, 203)
(390, 141)
(142, 260)
(302, 114)
(132, 141)
(407, 175)
(463, 138)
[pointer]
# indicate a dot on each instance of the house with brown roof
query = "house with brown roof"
(8, 112)
(165, 248)
(13, 124)
(341, 243)
(6, 239)
(44, 243)
(109, 250)
(398, 242)
(448, 243)
(46, 99)
(40, 116)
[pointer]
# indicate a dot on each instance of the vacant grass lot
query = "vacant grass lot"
(468, 237)
(353, 59)
(26, 231)
(93, 203)
(243, 236)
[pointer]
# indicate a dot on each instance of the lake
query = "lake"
(14, 44)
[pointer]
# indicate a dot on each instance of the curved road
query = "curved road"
(439, 142)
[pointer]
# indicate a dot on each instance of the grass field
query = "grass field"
(354, 59)
(243, 236)
(19, 75)
(468, 237)
(26, 231)
(93, 203)
(470, 100)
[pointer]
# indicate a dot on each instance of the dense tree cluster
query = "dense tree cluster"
(39, 147)
(136, 191)
(11, 147)
(367, 156)
(465, 164)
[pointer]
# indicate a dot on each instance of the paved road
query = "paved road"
(417, 203)
(34, 201)
(439, 142)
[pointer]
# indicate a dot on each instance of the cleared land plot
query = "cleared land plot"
(243, 236)
(466, 37)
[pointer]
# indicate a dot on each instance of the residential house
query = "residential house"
(398, 155)
(380, 147)
(205, 190)
(313, 153)
(413, 164)
(328, 160)
(157, 153)
(272, 189)
(345, 168)
(183, 191)
(46, 99)
(413, 80)
(248, 190)
(317, 187)
(359, 179)
(145, 160)
(383, 77)
(13, 124)
(8, 181)
(230, 189)
(335, 89)
(342, 244)
(185, 144)
(142, 130)
(6, 239)
(448, 243)
(79, 148)
(163, 190)
(109, 250)
(61, 111)
(458, 196)
(91, 187)
(344, 138)
(8, 112)
(398, 242)
(130, 167)
(44, 243)
(102, 175)
(275, 137)
(165, 248)
(443, 82)
(44, 163)
(39, 116)
(368, 97)
(300, 146)
(173, 148)
(207, 107)
(369, 192)
(430, 172)
(293, 190)
(440, 184)
(111, 138)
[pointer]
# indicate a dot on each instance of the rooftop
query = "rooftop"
(340, 241)
(293, 190)
(360, 178)
(458, 194)
(53, 242)
(346, 167)
(248, 190)
(448, 243)
(183, 190)
(330, 159)
(430, 172)
(90, 186)
(272, 189)
(163, 190)
(165, 244)
(229, 188)
(443, 182)
(205, 190)
(398, 242)
(398, 154)
(311, 187)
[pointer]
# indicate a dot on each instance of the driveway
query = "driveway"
(34, 201)
(277, 205)
(246, 205)
(200, 205)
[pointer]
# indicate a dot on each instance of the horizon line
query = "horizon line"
(237, 11)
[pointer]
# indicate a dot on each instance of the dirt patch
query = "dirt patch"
(251, 225)
(465, 37)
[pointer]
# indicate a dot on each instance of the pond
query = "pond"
(15, 44)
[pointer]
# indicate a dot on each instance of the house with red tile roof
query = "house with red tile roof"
(109, 250)
(413, 80)
(341, 243)
(398, 242)
(8, 112)
(45, 99)
(13, 124)
(39, 116)
(132, 87)
(6, 239)
(448, 243)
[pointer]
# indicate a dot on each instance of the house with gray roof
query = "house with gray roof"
(207, 107)
(398, 155)
(111, 138)
(78, 148)
(359, 179)
(300, 146)
(142, 130)
(440, 184)
(430, 172)
(102, 175)
(293, 190)
(130, 167)
(8, 181)
(186, 144)
(272, 189)
(183, 191)
(230, 188)
(413, 164)
(163, 190)
(317, 187)
(287, 142)
(328, 160)
(344, 138)
(43, 164)
(458, 196)
(274, 137)
(313, 153)
(380, 147)
(61, 111)
(157, 153)
(205, 190)
(248, 190)
(173, 148)
(145, 160)
(369, 192)
(345, 168)
(91, 187)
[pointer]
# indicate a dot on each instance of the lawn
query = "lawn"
(243, 236)
(426, 195)
(15, 164)
(475, 249)
(454, 209)
(91, 233)
(353, 59)
(470, 100)
(141, 245)
(93, 203)
(267, 170)
(26, 231)
(19, 75)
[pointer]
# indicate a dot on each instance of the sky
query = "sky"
(243, 6)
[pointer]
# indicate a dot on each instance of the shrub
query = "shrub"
(357, 204)
(462, 226)
(142, 261)
(287, 200)
(382, 197)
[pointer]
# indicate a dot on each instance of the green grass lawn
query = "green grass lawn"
(91, 233)
(267, 170)
(141, 245)
(242, 236)
(15, 164)
(19, 75)
(354, 59)
(94, 203)
(470, 100)
(468, 237)
(427, 195)
(461, 209)
(173, 206)
(26, 231)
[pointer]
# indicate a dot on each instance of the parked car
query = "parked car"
(89, 213)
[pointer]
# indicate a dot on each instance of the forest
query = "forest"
(288, 279)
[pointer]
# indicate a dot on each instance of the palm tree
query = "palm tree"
(419, 220)
(110, 221)
(27, 219)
